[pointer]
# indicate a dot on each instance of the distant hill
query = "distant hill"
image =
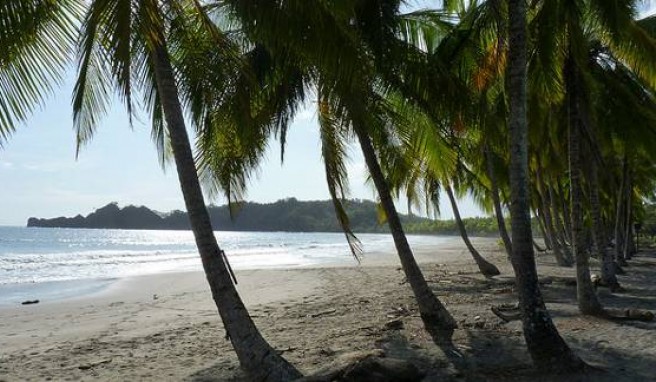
(284, 215)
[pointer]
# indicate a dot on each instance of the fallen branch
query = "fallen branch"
(323, 313)
(94, 364)
(507, 312)
(629, 314)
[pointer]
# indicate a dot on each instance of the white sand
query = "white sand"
(125, 333)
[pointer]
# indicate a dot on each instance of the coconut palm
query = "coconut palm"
(331, 49)
(545, 345)
(572, 25)
(131, 46)
(486, 268)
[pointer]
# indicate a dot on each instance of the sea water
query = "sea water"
(65, 262)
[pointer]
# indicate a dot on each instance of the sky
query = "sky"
(40, 176)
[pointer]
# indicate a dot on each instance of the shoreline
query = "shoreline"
(48, 292)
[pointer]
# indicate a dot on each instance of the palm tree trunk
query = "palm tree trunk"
(542, 221)
(498, 211)
(437, 320)
(608, 275)
(620, 214)
(628, 225)
(586, 295)
(256, 356)
(487, 269)
(559, 229)
(567, 217)
(563, 258)
(544, 216)
(548, 350)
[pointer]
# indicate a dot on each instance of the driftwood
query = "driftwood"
(94, 364)
(507, 312)
(511, 313)
(395, 324)
(323, 313)
(30, 302)
(629, 314)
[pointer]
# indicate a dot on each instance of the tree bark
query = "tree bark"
(539, 214)
(567, 217)
(561, 252)
(620, 215)
(437, 320)
(548, 350)
(586, 296)
(487, 269)
(498, 211)
(628, 225)
(559, 229)
(599, 243)
(256, 356)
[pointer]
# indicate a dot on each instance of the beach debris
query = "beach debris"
(507, 312)
(30, 302)
(323, 313)
(288, 349)
(400, 311)
(367, 367)
(155, 297)
(327, 352)
(395, 324)
(630, 314)
(91, 365)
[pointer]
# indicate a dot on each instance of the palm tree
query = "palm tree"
(547, 348)
(126, 45)
(494, 191)
(486, 268)
(331, 49)
(586, 295)
(36, 39)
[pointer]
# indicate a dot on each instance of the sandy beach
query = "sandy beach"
(165, 326)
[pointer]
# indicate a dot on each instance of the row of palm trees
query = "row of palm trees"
(494, 98)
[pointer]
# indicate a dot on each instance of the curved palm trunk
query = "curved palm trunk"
(437, 320)
(256, 356)
(586, 295)
(537, 246)
(567, 216)
(628, 225)
(487, 269)
(559, 230)
(548, 350)
(541, 208)
(539, 213)
(608, 276)
(620, 214)
(558, 246)
(498, 211)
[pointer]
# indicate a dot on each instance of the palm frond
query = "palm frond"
(36, 39)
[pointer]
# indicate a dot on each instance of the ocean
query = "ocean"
(67, 262)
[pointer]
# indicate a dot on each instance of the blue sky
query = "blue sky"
(39, 175)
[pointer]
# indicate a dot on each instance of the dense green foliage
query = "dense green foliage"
(284, 215)
(477, 226)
